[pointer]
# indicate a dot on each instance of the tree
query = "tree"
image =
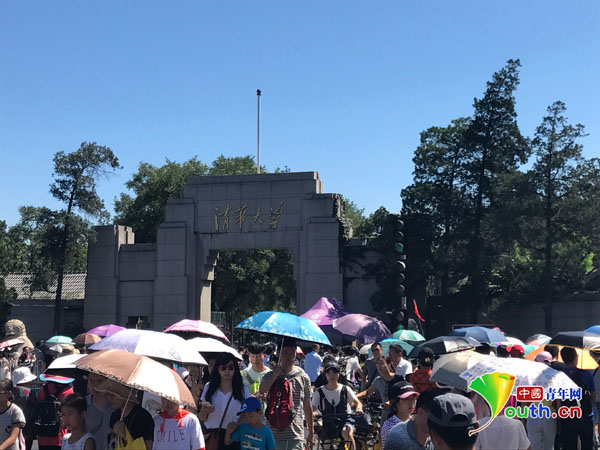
(495, 146)
(6, 294)
(75, 178)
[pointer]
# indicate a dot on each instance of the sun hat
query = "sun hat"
(251, 404)
(402, 389)
(118, 390)
(452, 411)
(22, 375)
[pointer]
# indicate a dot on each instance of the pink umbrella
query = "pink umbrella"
(364, 328)
(325, 311)
(105, 330)
(196, 326)
(10, 342)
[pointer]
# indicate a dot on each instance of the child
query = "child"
(12, 419)
(252, 434)
(73, 410)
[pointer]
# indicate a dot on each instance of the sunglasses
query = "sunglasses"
(224, 367)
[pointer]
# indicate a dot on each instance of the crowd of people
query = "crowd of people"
(281, 397)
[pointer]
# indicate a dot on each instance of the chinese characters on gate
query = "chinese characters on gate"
(243, 216)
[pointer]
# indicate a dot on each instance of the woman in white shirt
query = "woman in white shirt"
(222, 397)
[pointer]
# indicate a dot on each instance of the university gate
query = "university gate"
(170, 280)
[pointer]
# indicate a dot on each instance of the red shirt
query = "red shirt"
(420, 380)
(53, 388)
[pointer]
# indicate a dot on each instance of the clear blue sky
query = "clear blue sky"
(347, 85)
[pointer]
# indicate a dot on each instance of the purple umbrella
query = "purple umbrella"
(325, 311)
(364, 328)
(105, 330)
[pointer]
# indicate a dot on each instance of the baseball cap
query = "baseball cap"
(516, 350)
(544, 357)
(452, 411)
(402, 389)
(251, 404)
(426, 356)
(331, 365)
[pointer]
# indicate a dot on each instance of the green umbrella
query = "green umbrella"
(385, 344)
(60, 340)
(408, 335)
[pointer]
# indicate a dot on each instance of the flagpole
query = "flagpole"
(258, 132)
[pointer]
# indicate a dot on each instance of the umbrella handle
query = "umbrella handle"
(126, 401)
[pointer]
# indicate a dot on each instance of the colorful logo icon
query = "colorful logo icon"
(495, 388)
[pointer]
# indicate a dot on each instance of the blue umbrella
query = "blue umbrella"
(594, 329)
(60, 340)
(285, 324)
(481, 334)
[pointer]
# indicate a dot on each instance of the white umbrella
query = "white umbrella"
(168, 347)
(527, 373)
(210, 345)
(65, 362)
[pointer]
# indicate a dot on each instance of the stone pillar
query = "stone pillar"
(102, 282)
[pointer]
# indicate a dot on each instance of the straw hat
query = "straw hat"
(118, 390)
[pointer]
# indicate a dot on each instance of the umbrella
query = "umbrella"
(448, 368)
(514, 341)
(408, 335)
(163, 346)
(537, 339)
(210, 345)
(593, 329)
(106, 330)
(363, 328)
(48, 349)
(138, 372)
(445, 344)
(10, 342)
(584, 359)
(325, 311)
(87, 339)
(197, 326)
(576, 339)
(385, 345)
(65, 366)
(481, 334)
(527, 373)
(60, 340)
(285, 324)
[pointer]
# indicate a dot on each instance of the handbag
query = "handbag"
(129, 443)
(211, 442)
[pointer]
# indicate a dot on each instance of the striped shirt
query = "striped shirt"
(300, 384)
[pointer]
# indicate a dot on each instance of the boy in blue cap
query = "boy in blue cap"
(251, 433)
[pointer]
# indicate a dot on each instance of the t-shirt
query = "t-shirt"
(182, 432)
(502, 434)
(333, 397)
(387, 427)
(371, 369)
(381, 387)
(79, 445)
(11, 417)
(219, 401)
(420, 380)
(403, 368)
(251, 438)
(351, 365)
(253, 378)
(139, 422)
(403, 437)
(312, 365)
(301, 389)
(97, 422)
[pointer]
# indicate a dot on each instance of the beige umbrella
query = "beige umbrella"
(138, 372)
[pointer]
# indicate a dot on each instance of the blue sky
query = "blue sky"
(347, 85)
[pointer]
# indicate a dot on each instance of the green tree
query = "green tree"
(6, 252)
(75, 178)
(495, 147)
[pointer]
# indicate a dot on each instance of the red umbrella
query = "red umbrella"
(196, 326)
(10, 343)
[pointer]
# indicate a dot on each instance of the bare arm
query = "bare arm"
(268, 382)
(367, 393)
(11, 439)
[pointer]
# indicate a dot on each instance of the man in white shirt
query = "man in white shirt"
(403, 367)
(253, 375)
(353, 368)
(313, 363)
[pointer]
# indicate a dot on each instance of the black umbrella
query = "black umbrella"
(445, 344)
(576, 339)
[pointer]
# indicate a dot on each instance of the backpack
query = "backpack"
(586, 402)
(280, 405)
(333, 416)
(46, 418)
